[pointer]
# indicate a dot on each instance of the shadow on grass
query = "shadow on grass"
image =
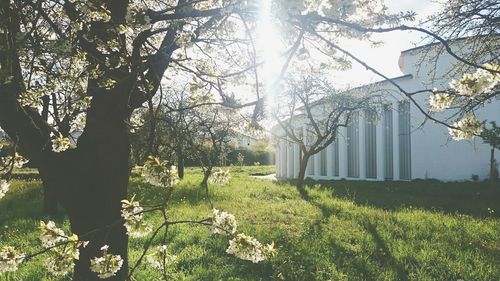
(189, 192)
(383, 253)
(25, 201)
(469, 198)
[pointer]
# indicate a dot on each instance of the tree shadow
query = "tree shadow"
(470, 198)
(383, 253)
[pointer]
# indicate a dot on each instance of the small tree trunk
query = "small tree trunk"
(302, 175)
(206, 176)
(493, 166)
(180, 164)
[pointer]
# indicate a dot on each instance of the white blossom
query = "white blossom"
(78, 123)
(60, 143)
(156, 173)
(107, 265)
(9, 259)
(136, 121)
(159, 257)
(4, 187)
(18, 160)
(481, 82)
(440, 101)
(220, 177)
(132, 213)
(50, 234)
(467, 128)
(223, 222)
(62, 259)
(248, 248)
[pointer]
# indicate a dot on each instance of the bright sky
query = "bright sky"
(385, 58)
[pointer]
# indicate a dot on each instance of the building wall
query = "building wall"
(382, 149)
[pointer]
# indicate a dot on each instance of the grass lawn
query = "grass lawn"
(346, 230)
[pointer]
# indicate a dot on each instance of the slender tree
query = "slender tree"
(315, 104)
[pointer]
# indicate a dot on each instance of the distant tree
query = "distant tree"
(310, 102)
(491, 136)
(240, 159)
(210, 137)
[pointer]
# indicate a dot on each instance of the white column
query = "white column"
(289, 157)
(285, 160)
(362, 146)
(380, 150)
(317, 164)
(278, 159)
(342, 152)
(306, 142)
(329, 160)
(296, 160)
(395, 140)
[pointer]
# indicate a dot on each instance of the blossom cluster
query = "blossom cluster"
(136, 121)
(481, 82)
(248, 248)
(61, 259)
(160, 257)
(63, 249)
(466, 128)
(440, 101)
(242, 246)
(9, 259)
(4, 187)
(17, 161)
(107, 265)
(223, 222)
(60, 143)
(220, 177)
(158, 174)
(50, 234)
(133, 215)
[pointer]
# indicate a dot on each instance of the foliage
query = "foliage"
(491, 135)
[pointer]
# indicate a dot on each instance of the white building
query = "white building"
(399, 145)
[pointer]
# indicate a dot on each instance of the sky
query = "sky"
(385, 58)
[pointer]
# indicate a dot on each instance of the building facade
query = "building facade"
(399, 143)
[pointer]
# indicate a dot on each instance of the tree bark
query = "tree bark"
(302, 175)
(89, 181)
(493, 166)
(180, 163)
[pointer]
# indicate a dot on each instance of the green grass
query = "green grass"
(346, 230)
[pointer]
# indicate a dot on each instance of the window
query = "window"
(404, 140)
(353, 147)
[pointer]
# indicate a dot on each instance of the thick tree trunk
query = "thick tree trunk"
(90, 181)
(49, 200)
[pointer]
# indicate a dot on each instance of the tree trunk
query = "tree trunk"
(493, 166)
(180, 164)
(206, 176)
(49, 198)
(302, 175)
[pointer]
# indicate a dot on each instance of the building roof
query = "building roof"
(439, 43)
